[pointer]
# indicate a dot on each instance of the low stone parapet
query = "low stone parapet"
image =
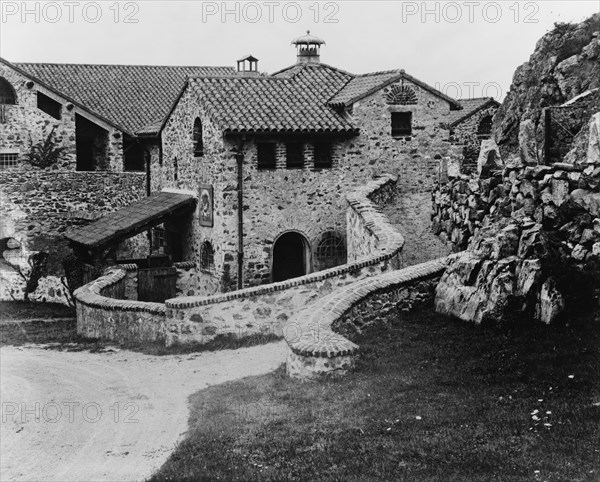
(103, 313)
(316, 349)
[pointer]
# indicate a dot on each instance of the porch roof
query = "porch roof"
(132, 220)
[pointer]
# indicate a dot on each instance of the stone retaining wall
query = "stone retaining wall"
(38, 206)
(252, 310)
(376, 248)
(102, 311)
(314, 347)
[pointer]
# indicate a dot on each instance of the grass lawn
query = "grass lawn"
(432, 399)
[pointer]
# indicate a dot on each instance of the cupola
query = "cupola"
(308, 48)
(247, 66)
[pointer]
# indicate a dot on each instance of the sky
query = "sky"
(463, 48)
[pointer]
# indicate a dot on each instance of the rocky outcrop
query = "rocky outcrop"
(565, 63)
(534, 237)
(529, 221)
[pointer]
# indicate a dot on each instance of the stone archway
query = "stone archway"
(291, 256)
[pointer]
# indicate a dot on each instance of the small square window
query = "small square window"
(48, 105)
(294, 155)
(266, 155)
(322, 153)
(9, 160)
(158, 239)
(401, 124)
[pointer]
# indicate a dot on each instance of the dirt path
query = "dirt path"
(76, 416)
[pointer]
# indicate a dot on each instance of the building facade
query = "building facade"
(269, 158)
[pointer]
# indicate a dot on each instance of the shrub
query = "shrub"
(45, 153)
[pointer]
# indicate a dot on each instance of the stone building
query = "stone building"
(268, 157)
(472, 125)
(277, 153)
(86, 128)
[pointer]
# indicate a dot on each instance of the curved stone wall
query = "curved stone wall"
(314, 348)
(376, 248)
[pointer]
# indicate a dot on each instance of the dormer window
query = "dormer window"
(247, 65)
(197, 138)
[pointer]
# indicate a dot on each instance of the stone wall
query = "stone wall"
(308, 201)
(25, 124)
(465, 135)
(38, 206)
(315, 345)
(102, 312)
(535, 252)
(252, 310)
(217, 168)
(192, 281)
(266, 308)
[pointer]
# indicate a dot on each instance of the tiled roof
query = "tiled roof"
(282, 103)
(132, 97)
(363, 85)
(131, 220)
(470, 107)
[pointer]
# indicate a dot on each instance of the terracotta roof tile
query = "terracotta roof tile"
(365, 84)
(132, 97)
(470, 107)
(282, 103)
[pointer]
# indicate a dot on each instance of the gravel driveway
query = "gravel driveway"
(117, 415)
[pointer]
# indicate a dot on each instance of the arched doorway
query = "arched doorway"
(291, 256)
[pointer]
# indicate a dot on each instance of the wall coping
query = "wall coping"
(12, 172)
(91, 295)
(390, 244)
(185, 265)
(309, 332)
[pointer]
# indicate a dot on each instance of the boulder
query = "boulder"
(593, 151)
(588, 200)
(529, 274)
(528, 149)
(551, 302)
(489, 159)
(560, 191)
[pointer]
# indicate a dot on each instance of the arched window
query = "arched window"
(207, 257)
(197, 138)
(484, 129)
(7, 92)
(401, 95)
(331, 250)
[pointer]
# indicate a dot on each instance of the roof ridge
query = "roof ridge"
(237, 77)
(380, 72)
(129, 65)
(315, 65)
(475, 98)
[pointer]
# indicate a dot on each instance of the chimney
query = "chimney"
(247, 66)
(308, 49)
